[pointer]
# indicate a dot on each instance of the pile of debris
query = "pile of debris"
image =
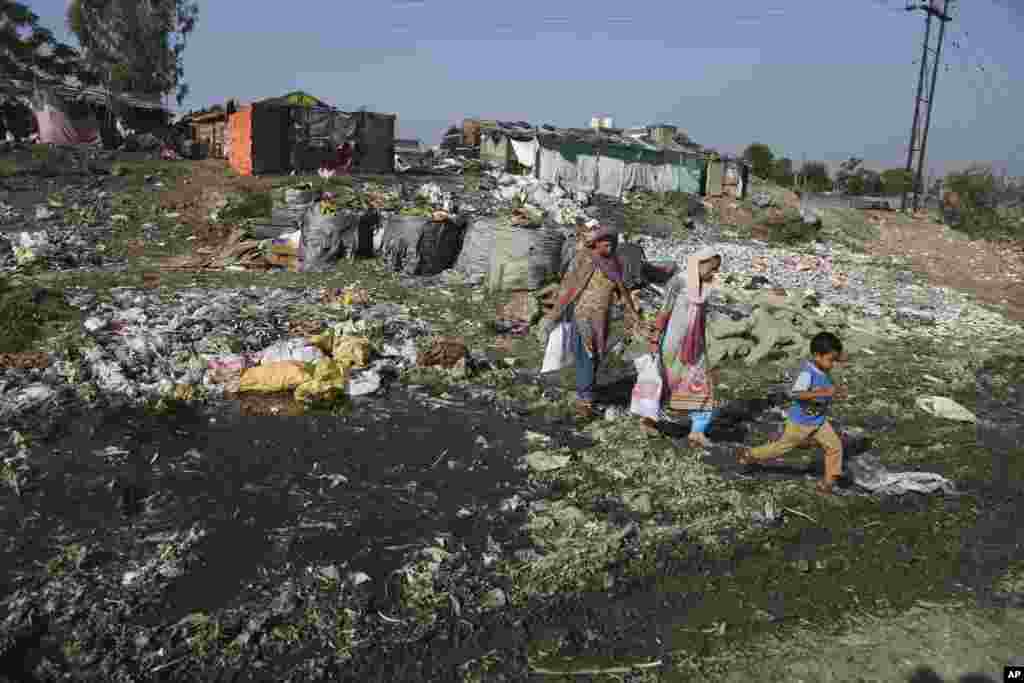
(71, 229)
(836, 276)
(562, 206)
(143, 347)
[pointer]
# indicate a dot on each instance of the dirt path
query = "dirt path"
(993, 273)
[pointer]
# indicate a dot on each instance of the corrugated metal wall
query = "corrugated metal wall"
(240, 134)
(270, 148)
(376, 141)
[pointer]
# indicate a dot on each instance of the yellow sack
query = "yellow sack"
(351, 351)
(348, 350)
(324, 342)
(329, 382)
(282, 375)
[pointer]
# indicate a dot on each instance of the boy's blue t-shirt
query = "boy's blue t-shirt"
(810, 413)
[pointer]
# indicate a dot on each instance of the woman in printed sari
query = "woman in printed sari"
(584, 299)
(679, 343)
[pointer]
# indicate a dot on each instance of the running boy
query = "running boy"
(807, 419)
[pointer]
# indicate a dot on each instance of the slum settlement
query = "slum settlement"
(271, 408)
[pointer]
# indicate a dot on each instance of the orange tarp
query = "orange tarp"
(240, 133)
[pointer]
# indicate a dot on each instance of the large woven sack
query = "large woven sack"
(490, 242)
(440, 245)
(295, 196)
(288, 215)
(475, 258)
(540, 250)
(416, 246)
(399, 242)
(324, 238)
(510, 275)
(632, 258)
(359, 242)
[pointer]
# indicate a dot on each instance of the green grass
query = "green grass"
(136, 172)
(992, 224)
(850, 226)
(8, 167)
(248, 204)
(30, 314)
(790, 229)
(950, 639)
(648, 207)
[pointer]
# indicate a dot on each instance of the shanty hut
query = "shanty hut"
(609, 163)
(70, 113)
(452, 139)
(300, 132)
(209, 129)
(510, 146)
(470, 132)
(736, 177)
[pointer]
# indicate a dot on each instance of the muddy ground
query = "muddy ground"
(410, 536)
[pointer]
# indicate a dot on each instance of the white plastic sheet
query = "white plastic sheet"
(559, 353)
(526, 152)
(946, 408)
(586, 172)
(646, 397)
(291, 349)
(870, 474)
(611, 174)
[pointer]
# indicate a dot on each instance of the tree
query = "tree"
(872, 181)
(135, 45)
(29, 52)
(854, 185)
(815, 176)
(849, 169)
(976, 187)
(897, 181)
(759, 156)
(782, 172)
(977, 199)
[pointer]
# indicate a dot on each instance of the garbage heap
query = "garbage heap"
(201, 343)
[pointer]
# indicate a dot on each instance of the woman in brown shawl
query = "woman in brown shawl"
(585, 299)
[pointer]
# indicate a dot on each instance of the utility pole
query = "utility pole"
(931, 9)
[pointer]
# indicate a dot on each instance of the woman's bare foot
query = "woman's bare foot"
(584, 410)
(699, 440)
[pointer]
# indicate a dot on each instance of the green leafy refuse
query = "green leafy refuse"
(28, 313)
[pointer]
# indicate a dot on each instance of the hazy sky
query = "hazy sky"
(817, 78)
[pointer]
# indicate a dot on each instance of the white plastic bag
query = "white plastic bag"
(291, 349)
(946, 408)
(559, 353)
(646, 397)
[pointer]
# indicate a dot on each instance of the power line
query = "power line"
(931, 11)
